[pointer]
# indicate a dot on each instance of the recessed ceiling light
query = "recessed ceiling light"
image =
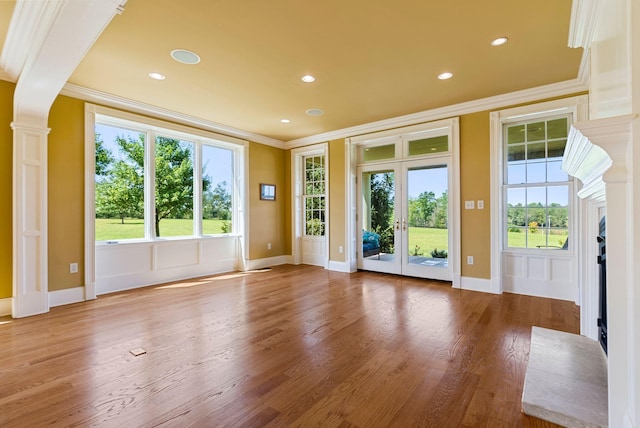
(285, 121)
(157, 76)
(308, 78)
(315, 112)
(185, 57)
(499, 41)
(445, 76)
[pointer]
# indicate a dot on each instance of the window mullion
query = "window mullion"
(197, 189)
(150, 186)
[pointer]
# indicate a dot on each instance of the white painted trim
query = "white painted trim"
(89, 201)
(578, 107)
(5, 307)
(350, 195)
(30, 226)
(297, 209)
(115, 101)
(28, 29)
(524, 96)
(583, 24)
(115, 117)
(267, 262)
(67, 296)
(478, 284)
(339, 266)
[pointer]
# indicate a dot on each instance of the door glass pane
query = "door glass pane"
(217, 190)
(428, 236)
(119, 183)
(378, 193)
(426, 146)
(371, 154)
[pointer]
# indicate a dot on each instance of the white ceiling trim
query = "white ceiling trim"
(499, 101)
(30, 24)
(66, 29)
(584, 20)
(132, 106)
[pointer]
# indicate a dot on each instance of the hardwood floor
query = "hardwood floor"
(293, 346)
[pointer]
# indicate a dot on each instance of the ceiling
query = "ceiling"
(372, 60)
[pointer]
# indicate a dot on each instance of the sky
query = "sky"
(430, 179)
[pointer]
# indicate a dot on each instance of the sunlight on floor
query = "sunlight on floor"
(202, 281)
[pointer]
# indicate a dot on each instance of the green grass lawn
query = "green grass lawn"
(537, 239)
(108, 229)
(427, 239)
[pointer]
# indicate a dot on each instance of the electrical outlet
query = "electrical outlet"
(73, 267)
(469, 260)
(340, 249)
(268, 245)
(468, 205)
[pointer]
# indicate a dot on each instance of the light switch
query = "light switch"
(480, 204)
(468, 205)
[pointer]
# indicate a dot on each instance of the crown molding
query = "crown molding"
(28, 29)
(524, 96)
(132, 106)
(584, 20)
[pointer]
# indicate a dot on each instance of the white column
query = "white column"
(30, 269)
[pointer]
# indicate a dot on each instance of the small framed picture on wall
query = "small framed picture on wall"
(268, 192)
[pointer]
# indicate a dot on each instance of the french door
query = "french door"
(403, 218)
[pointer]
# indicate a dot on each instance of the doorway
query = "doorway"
(406, 193)
(404, 216)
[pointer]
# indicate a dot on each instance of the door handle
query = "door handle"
(404, 224)
(397, 224)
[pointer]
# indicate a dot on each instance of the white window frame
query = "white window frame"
(577, 108)
(546, 184)
(297, 202)
(108, 116)
(306, 195)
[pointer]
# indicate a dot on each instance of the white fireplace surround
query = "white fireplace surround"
(599, 153)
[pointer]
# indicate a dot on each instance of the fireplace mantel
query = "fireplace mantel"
(597, 149)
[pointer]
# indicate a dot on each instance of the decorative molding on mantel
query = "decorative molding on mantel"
(596, 153)
(584, 20)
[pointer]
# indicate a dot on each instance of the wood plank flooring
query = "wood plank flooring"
(291, 346)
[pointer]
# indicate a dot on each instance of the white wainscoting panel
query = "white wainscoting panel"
(132, 265)
(552, 275)
(314, 250)
(177, 254)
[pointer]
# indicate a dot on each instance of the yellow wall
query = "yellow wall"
(337, 209)
(66, 193)
(475, 177)
(267, 219)
(6, 180)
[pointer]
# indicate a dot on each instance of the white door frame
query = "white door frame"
(297, 214)
(450, 127)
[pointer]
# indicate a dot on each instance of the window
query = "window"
(153, 182)
(536, 190)
(314, 195)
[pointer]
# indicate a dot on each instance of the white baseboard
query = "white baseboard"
(270, 261)
(5, 307)
(477, 284)
(339, 266)
(66, 297)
